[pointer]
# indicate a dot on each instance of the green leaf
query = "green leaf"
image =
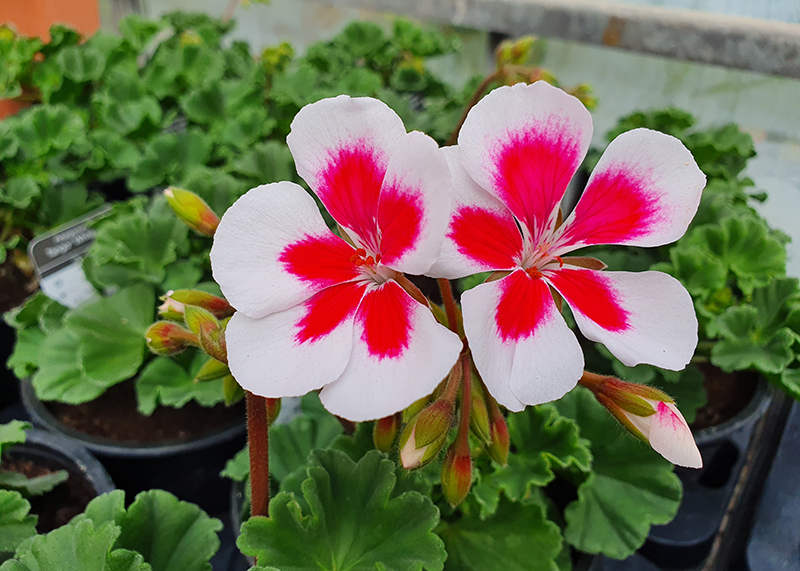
(290, 444)
(15, 523)
(119, 151)
(62, 203)
(77, 546)
(630, 488)
(170, 534)
(205, 105)
(108, 507)
(124, 560)
(165, 382)
(60, 376)
(110, 333)
(81, 63)
(544, 440)
(12, 433)
(38, 311)
(167, 156)
(267, 162)
(19, 191)
(32, 486)
(743, 245)
(353, 523)
(46, 127)
(518, 537)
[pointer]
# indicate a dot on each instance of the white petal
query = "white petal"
(671, 437)
(644, 191)
(645, 317)
(414, 206)
(521, 345)
(270, 357)
(251, 239)
(376, 385)
(341, 148)
(481, 236)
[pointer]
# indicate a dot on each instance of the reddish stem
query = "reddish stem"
(475, 98)
(449, 304)
(258, 442)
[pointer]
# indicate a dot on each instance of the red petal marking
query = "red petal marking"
(592, 294)
(667, 417)
(400, 216)
(327, 309)
(525, 304)
(322, 260)
(486, 237)
(385, 316)
(614, 208)
(350, 187)
(534, 168)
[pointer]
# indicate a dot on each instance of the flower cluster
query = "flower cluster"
(334, 311)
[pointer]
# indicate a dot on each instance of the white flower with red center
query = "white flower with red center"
(315, 311)
(517, 151)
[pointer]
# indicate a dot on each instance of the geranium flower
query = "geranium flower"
(314, 310)
(517, 151)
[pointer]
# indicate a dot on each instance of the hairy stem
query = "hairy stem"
(449, 303)
(462, 440)
(475, 98)
(258, 442)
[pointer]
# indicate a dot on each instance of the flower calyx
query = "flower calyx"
(385, 431)
(175, 302)
(169, 338)
(193, 210)
(426, 434)
(456, 474)
(209, 330)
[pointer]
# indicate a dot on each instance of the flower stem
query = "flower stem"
(258, 442)
(449, 303)
(592, 381)
(462, 440)
(475, 98)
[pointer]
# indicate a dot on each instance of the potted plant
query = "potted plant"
(45, 480)
(155, 532)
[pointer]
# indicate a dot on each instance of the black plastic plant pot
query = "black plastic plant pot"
(775, 537)
(9, 385)
(687, 539)
(188, 469)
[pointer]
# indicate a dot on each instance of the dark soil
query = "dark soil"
(113, 415)
(59, 505)
(727, 393)
(15, 286)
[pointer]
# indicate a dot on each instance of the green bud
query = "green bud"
(193, 210)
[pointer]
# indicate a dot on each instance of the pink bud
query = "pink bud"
(168, 338)
(384, 432)
(500, 439)
(648, 414)
(273, 409)
(192, 210)
(456, 475)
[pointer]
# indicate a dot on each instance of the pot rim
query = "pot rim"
(749, 415)
(125, 449)
(75, 458)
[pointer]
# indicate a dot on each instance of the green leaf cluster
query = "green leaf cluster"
(157, 532)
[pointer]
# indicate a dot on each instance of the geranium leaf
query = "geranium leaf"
(47, 127)
(106, 508)
(12, 433)
(165, 382)
(543, 441)
(353, 523)
(110, 333)
(60, 376)
(518, 537)
(15, 523)
(170, 534)
(629, 489)
(19, 191)
(32, 486)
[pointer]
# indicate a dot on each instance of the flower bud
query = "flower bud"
(479, 413)
(169, 338)
(518, 51)
(650, 415)
(456, 475)
(193, 210)
(177, 300)
(209, 331)
(384, 432)
(231, 390)
(414, 409)
(273, 409)
(500, 440)
(425, 434)
(211, 370)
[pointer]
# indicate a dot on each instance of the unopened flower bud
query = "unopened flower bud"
(426, 434)
(414, 409)
(515, 52)
(456, 474)
(479, 413)
(499, 441)
(177, 300)
(384, 432)
(169, 338)
(211, 370)
(650, 415)
(209, 331)
(273, 409)
(232, 392)
(193, 210)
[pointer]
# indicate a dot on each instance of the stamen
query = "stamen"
(361, 252)
(534, 273)
(370, 261)
(560, 261)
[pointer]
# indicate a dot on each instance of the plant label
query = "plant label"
(57, 257)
